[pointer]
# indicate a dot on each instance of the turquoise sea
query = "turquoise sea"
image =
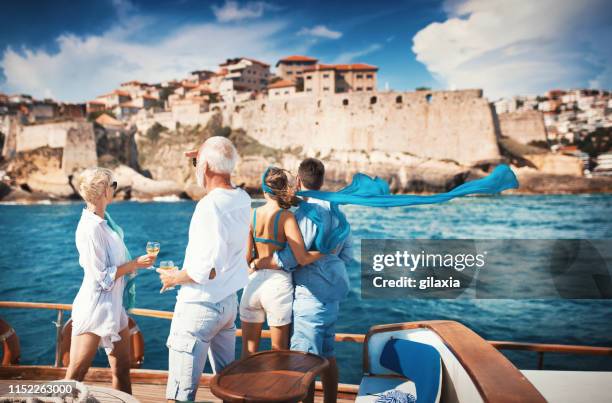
(38, 262)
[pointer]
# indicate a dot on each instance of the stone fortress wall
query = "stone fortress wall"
(524, 126)
(445, 125)
(75, 138)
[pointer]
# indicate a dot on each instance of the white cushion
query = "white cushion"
(377, 385)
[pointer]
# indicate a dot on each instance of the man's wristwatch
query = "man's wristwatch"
(252, 266)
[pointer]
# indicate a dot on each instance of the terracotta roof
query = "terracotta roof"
(96, 102)
(296, 58)
(133, 82)
(107, 120)
(282, 84)
(187, 84)
(116, 92)
(343, 67)
(238, 59)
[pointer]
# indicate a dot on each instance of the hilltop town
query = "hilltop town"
(420, 141)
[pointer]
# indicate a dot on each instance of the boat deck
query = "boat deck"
(148, 386)
(155, 393)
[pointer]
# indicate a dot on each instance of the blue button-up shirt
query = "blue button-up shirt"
(326, 279)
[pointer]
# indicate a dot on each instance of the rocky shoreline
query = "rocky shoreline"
(150, 165)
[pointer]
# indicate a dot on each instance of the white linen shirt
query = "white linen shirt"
(98, 306)
(218, 236)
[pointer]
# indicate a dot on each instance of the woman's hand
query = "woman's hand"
(144, 261)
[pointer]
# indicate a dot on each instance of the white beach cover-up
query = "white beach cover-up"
(98, 306)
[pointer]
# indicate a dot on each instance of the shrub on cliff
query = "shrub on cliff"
(154, 131)
(247, 145)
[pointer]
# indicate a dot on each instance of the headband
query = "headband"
(264, 187)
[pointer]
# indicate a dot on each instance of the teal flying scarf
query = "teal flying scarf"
(374, 192)
(129, 292)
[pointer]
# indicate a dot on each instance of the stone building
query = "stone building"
(292, 67)
(114, 98)
(281, 89)
(243, 75)
(339, 78)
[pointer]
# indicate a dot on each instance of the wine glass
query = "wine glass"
(152, 250)
(167, 265)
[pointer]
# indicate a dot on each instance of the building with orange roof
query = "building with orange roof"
(338, 78)
(95, 106)
(243, 75)
(292, 67)
(281, 89)
(114, 98)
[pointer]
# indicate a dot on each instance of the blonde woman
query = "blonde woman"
(98, 316)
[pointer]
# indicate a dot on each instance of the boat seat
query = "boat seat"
(373, 385)
(402, 362)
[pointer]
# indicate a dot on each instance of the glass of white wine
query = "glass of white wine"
(167, 265)
(152, 250)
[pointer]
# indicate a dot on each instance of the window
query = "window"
(325, 88)
(359, 75)
(277, 93)
(308, 89)
(339, 89)
(368, 88)
(325, 75)
(370, 76)
(428, 98)
(286, 92)
(308, 77)
(299, 73)
(373, 100)
(345, 102)
(289, 73)
(398, 99)
(359, 89)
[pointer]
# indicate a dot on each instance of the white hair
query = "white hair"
(93, 182)
(218, 154)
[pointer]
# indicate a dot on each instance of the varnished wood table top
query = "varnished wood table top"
(268, 376)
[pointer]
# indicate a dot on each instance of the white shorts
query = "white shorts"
(269, 294)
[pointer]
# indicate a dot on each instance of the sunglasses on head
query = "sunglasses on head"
(114, 185)
(194, 161)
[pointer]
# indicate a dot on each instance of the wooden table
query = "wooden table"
(269, 376)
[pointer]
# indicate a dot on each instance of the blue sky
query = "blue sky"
(75, 50)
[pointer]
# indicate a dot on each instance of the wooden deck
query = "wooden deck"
(147, 385)
(155, 393)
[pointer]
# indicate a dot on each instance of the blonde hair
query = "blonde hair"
(93, 183)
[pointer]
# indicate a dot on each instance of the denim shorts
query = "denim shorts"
(314, 326)
(199, 330)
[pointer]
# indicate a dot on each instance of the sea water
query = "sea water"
(39, 262)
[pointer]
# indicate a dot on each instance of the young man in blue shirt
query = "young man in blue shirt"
(319, 286)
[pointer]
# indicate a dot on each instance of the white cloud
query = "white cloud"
(232, 11)
(346, 57)
(84, 67)
(518, 47)
(320, 31)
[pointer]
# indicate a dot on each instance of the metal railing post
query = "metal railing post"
(58, 337)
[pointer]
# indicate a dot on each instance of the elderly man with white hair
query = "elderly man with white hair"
(213, 271)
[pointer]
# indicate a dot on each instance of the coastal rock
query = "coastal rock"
(141, 187)
(556, 164)
(534, 182)
(54, 183)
